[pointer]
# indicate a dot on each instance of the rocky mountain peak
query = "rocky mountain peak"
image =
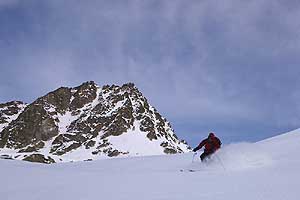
(89, 122)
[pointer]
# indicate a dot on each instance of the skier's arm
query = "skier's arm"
(219, 142)
(200, 145)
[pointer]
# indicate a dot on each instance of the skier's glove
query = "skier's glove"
(194, 150)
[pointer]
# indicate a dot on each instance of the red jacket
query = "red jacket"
(211, 144)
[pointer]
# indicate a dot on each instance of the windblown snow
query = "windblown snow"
(265, 170)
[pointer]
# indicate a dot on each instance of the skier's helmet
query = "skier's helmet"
(211, 134)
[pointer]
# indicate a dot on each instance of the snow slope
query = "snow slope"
(265, 170)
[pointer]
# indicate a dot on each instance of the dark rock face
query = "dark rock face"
(34, 124)
(39, 158)
(84, 94)
(10, 109)
(60, 98)
(8, 113)
(86, 117)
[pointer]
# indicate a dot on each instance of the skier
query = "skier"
(211, 145)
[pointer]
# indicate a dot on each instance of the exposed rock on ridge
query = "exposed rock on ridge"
(87, 122)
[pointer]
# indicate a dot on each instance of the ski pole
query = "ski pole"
(194, 156)
(220, 161)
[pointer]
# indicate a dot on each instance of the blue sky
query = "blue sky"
(231, 67)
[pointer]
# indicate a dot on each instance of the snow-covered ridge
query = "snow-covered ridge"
(285, 145)
(89, 122)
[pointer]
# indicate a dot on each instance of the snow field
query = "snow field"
(260, 171)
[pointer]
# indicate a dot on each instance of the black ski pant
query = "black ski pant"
(205, 154)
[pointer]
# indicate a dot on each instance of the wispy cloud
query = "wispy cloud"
(210, 60)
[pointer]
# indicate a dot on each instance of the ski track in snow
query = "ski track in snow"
(253, 171)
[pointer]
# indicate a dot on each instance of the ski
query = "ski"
(189, 170)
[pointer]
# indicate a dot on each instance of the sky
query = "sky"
(231, 67)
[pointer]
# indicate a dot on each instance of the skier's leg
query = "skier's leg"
(203, 156)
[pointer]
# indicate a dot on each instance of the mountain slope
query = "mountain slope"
(159, 177)
(89, 122)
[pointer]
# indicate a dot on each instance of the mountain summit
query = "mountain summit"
(84, 123)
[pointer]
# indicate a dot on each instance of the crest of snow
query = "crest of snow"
(283, 144)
